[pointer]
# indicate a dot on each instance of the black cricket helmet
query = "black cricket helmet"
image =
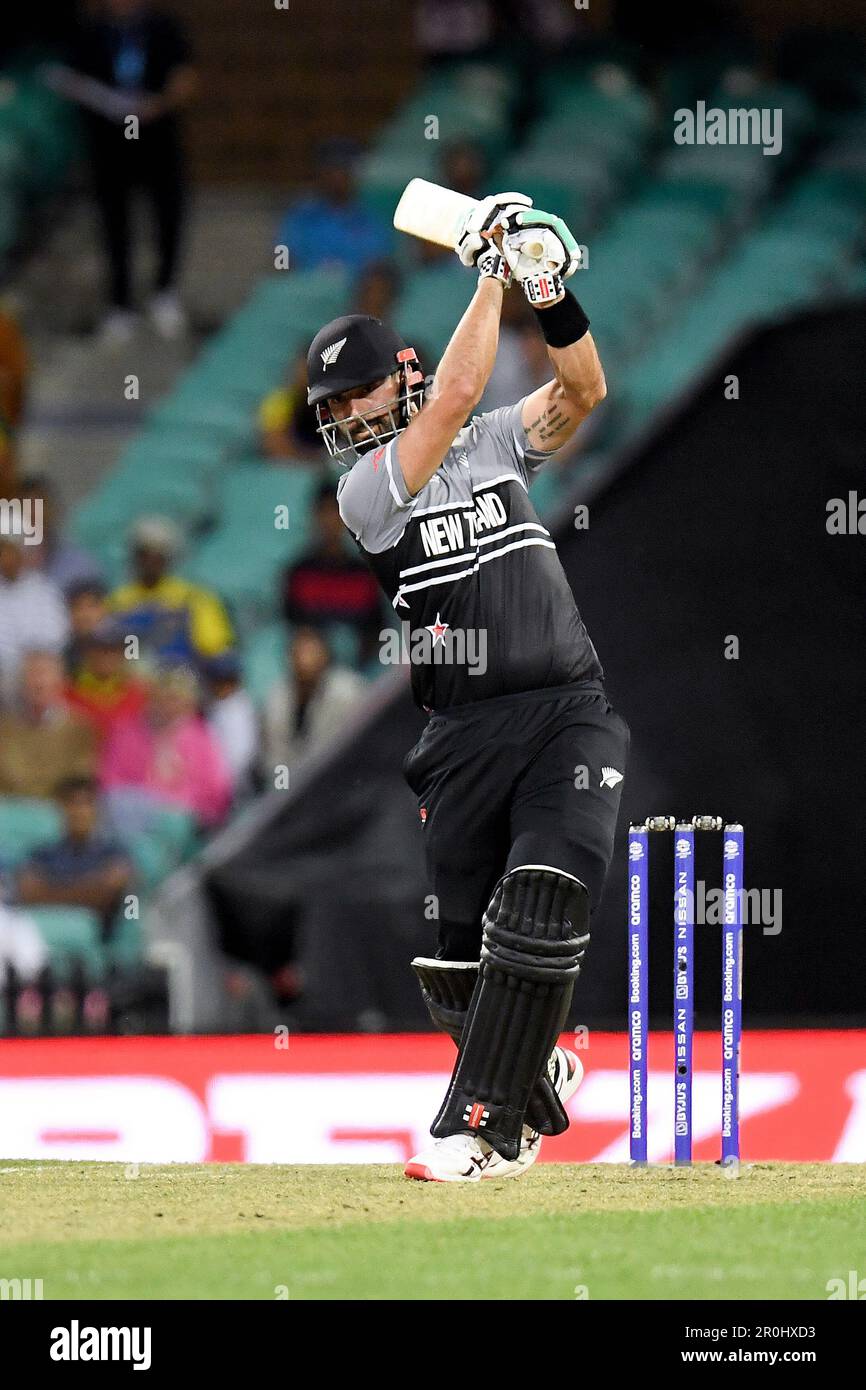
(359, 350)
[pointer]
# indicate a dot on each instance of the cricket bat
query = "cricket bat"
(433, 213)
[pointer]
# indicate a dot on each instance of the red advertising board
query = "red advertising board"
(370, 1099)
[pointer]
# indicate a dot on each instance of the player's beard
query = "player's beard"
(369, 429)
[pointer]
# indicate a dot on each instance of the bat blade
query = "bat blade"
(431, 212)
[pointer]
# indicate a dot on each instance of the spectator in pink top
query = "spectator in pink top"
(166, 756)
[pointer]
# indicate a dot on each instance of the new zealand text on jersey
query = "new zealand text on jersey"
(445, 533)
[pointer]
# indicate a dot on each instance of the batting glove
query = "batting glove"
(491, 264)
(542, 289)
(486, 214)
(559, 255)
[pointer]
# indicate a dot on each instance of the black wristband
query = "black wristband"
(563, 323)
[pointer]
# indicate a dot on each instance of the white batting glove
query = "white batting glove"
(486, 214)
(537, 242)
(491, 264)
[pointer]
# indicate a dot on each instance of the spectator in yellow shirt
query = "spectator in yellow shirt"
(288, 426)
(172, 619)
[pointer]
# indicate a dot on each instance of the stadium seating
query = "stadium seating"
(75, 934)
(687, 245)
(474, 102)
(681, 242)
(25, 824)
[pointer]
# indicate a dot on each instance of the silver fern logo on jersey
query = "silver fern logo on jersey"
(609, 777)
(330, 354)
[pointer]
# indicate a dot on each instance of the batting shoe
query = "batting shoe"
(456, 1158)
(467, 1158)
(566, 1072)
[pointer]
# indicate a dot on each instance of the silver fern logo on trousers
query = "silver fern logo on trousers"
(330, 355)
(609, 777)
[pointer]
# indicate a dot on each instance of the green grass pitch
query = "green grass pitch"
(102, 1230)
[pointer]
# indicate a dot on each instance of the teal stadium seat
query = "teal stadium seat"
(242, 558)
(188, 441)
(579, 186)
(124, 949)
(431, 304)
(73, 936)
(25, 824)
(264, 659)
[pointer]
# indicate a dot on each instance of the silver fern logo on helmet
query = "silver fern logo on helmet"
(370, 355)
(330, 355)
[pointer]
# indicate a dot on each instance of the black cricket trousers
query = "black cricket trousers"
(533, 778)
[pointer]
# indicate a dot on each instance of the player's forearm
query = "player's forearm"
(457, 388)
(579, 372)
(468, 359)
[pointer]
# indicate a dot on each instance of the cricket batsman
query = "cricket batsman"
(519, 770)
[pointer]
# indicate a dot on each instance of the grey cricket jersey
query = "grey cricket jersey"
(468, 562)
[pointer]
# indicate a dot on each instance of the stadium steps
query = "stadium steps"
(209, 420)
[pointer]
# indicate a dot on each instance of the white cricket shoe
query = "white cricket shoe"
(456, 1158)
(467, 1158)
(566, 1072)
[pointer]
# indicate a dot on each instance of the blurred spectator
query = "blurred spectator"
(83, 869)
(42, 741)
(542, 28)
(87, 606)
(332, 227)
(31, 610)
(142, 56)
(449, 29)
(14, 372)
(522, 362)
(287, 423)
(330, 584)
(104, 688)
(463, 167)
(309, 706)
(376, 290)
(56, 557)
(231, 716)
(173, 619)
(8, 464)
(166, 755)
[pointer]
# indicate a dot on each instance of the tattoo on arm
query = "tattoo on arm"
(549, 424)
